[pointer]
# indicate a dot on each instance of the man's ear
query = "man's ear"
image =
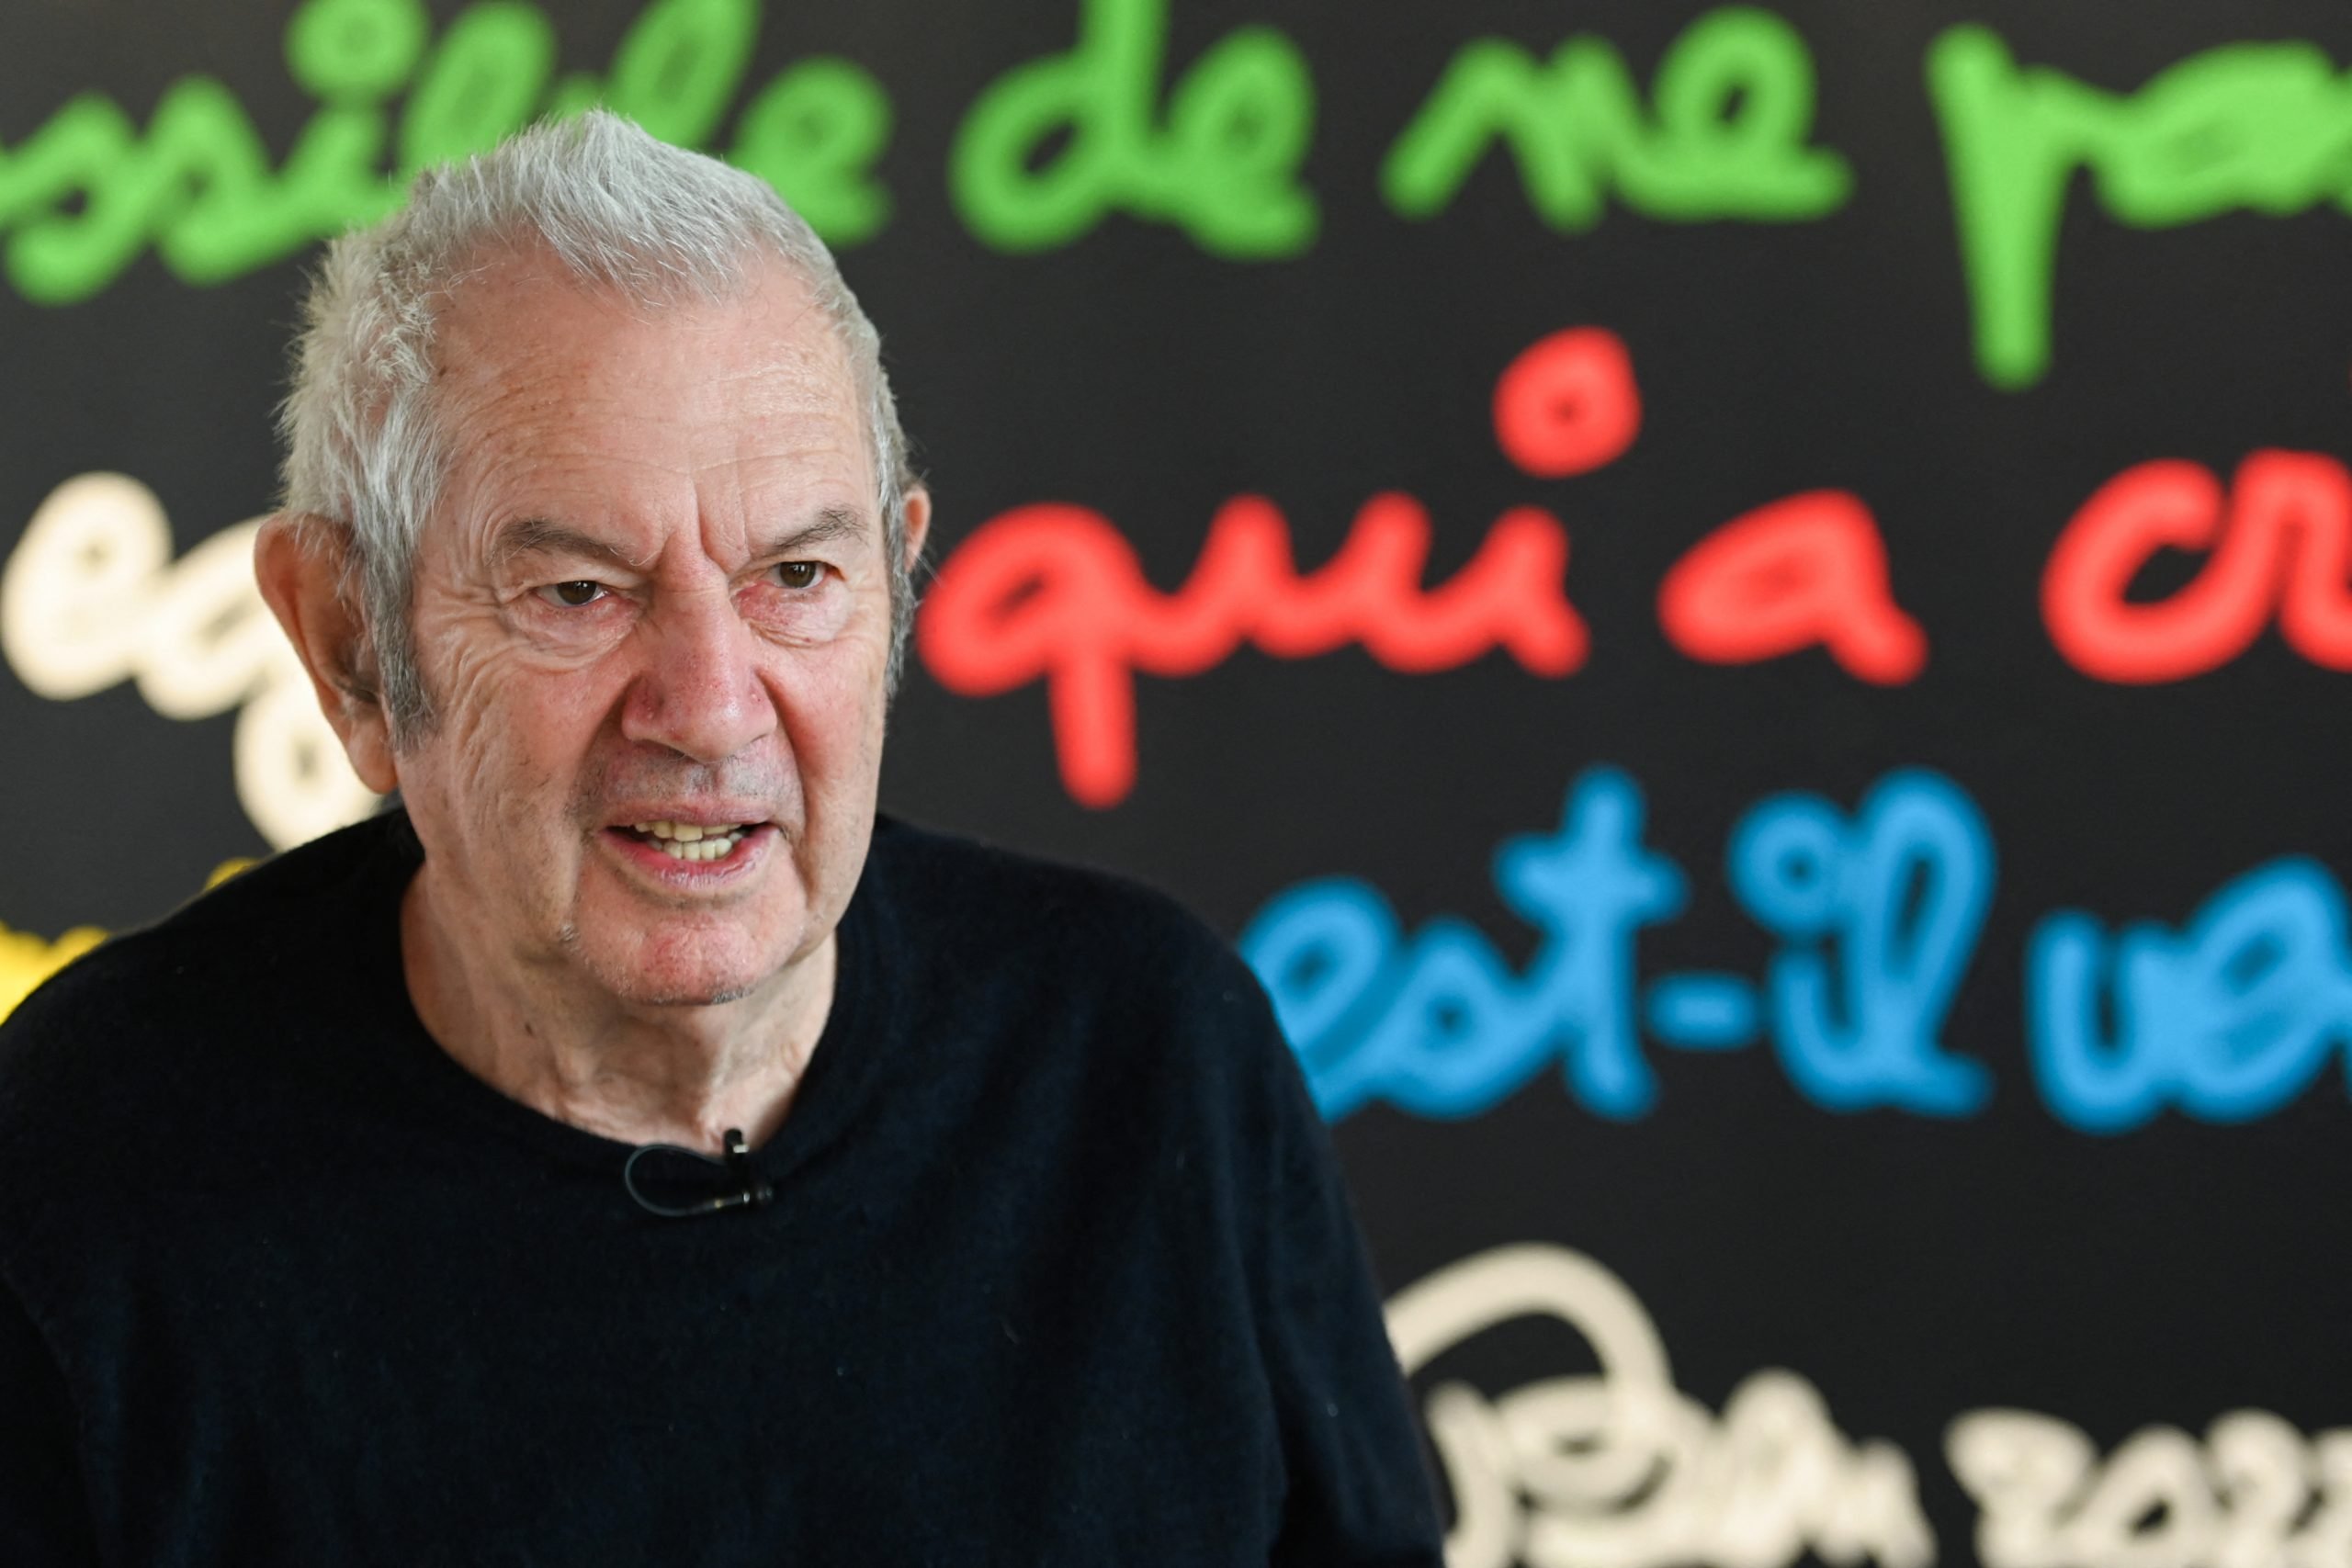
(918, 504)
(298, 563)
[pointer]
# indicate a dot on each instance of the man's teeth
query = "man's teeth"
(686, 841)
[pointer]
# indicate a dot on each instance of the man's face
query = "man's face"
(654, 594)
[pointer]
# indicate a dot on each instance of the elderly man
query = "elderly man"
(633, 1150)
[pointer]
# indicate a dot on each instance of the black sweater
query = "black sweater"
(1058, 1271)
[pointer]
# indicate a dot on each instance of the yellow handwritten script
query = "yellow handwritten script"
(91, 596)
(26, 960)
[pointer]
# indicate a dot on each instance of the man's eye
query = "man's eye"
(573, 595)
(800, 573)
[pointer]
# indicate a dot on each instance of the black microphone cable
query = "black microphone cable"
(752, 1188)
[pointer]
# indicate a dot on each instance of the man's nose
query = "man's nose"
(698, 691)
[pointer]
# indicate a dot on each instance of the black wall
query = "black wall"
(1938, 985)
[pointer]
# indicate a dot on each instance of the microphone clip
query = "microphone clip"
(746, 1187)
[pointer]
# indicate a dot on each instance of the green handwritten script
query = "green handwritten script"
(1723, 135)
(1055, 146)
(85, 193)
(2263, 128)
(1222, 163)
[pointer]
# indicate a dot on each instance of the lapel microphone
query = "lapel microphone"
(746, 1187)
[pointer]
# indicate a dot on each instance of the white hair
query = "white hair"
(366, 455)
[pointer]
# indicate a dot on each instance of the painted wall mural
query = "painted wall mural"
(1739, 609)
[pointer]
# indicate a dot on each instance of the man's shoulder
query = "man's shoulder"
(1071, 974)
(989, 903)
(140, 1012)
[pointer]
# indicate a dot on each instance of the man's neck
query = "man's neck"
(636, 1075)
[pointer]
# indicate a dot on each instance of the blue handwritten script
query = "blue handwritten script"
(1437, 1024)
(2228, 1018)
(1875, 916)
(1898, 893)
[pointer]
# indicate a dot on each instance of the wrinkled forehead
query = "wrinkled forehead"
(545, 381)
(521, 327)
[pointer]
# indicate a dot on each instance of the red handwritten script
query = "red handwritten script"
(2277, 546)
(1810, 570)
(1568, 404)
(1054, 591)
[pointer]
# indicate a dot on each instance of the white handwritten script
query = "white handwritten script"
(91, 596)
(2255, 1494)
(1617, 1469)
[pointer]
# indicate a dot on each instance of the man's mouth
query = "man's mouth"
(687, 841)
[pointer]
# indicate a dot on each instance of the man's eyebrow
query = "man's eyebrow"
(538, 536)
(832, 523)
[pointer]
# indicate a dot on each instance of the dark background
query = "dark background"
(1912, 1268)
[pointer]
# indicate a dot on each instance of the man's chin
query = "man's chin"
(669, 958)
(661, 990)
(680, 970)
(688, 999)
